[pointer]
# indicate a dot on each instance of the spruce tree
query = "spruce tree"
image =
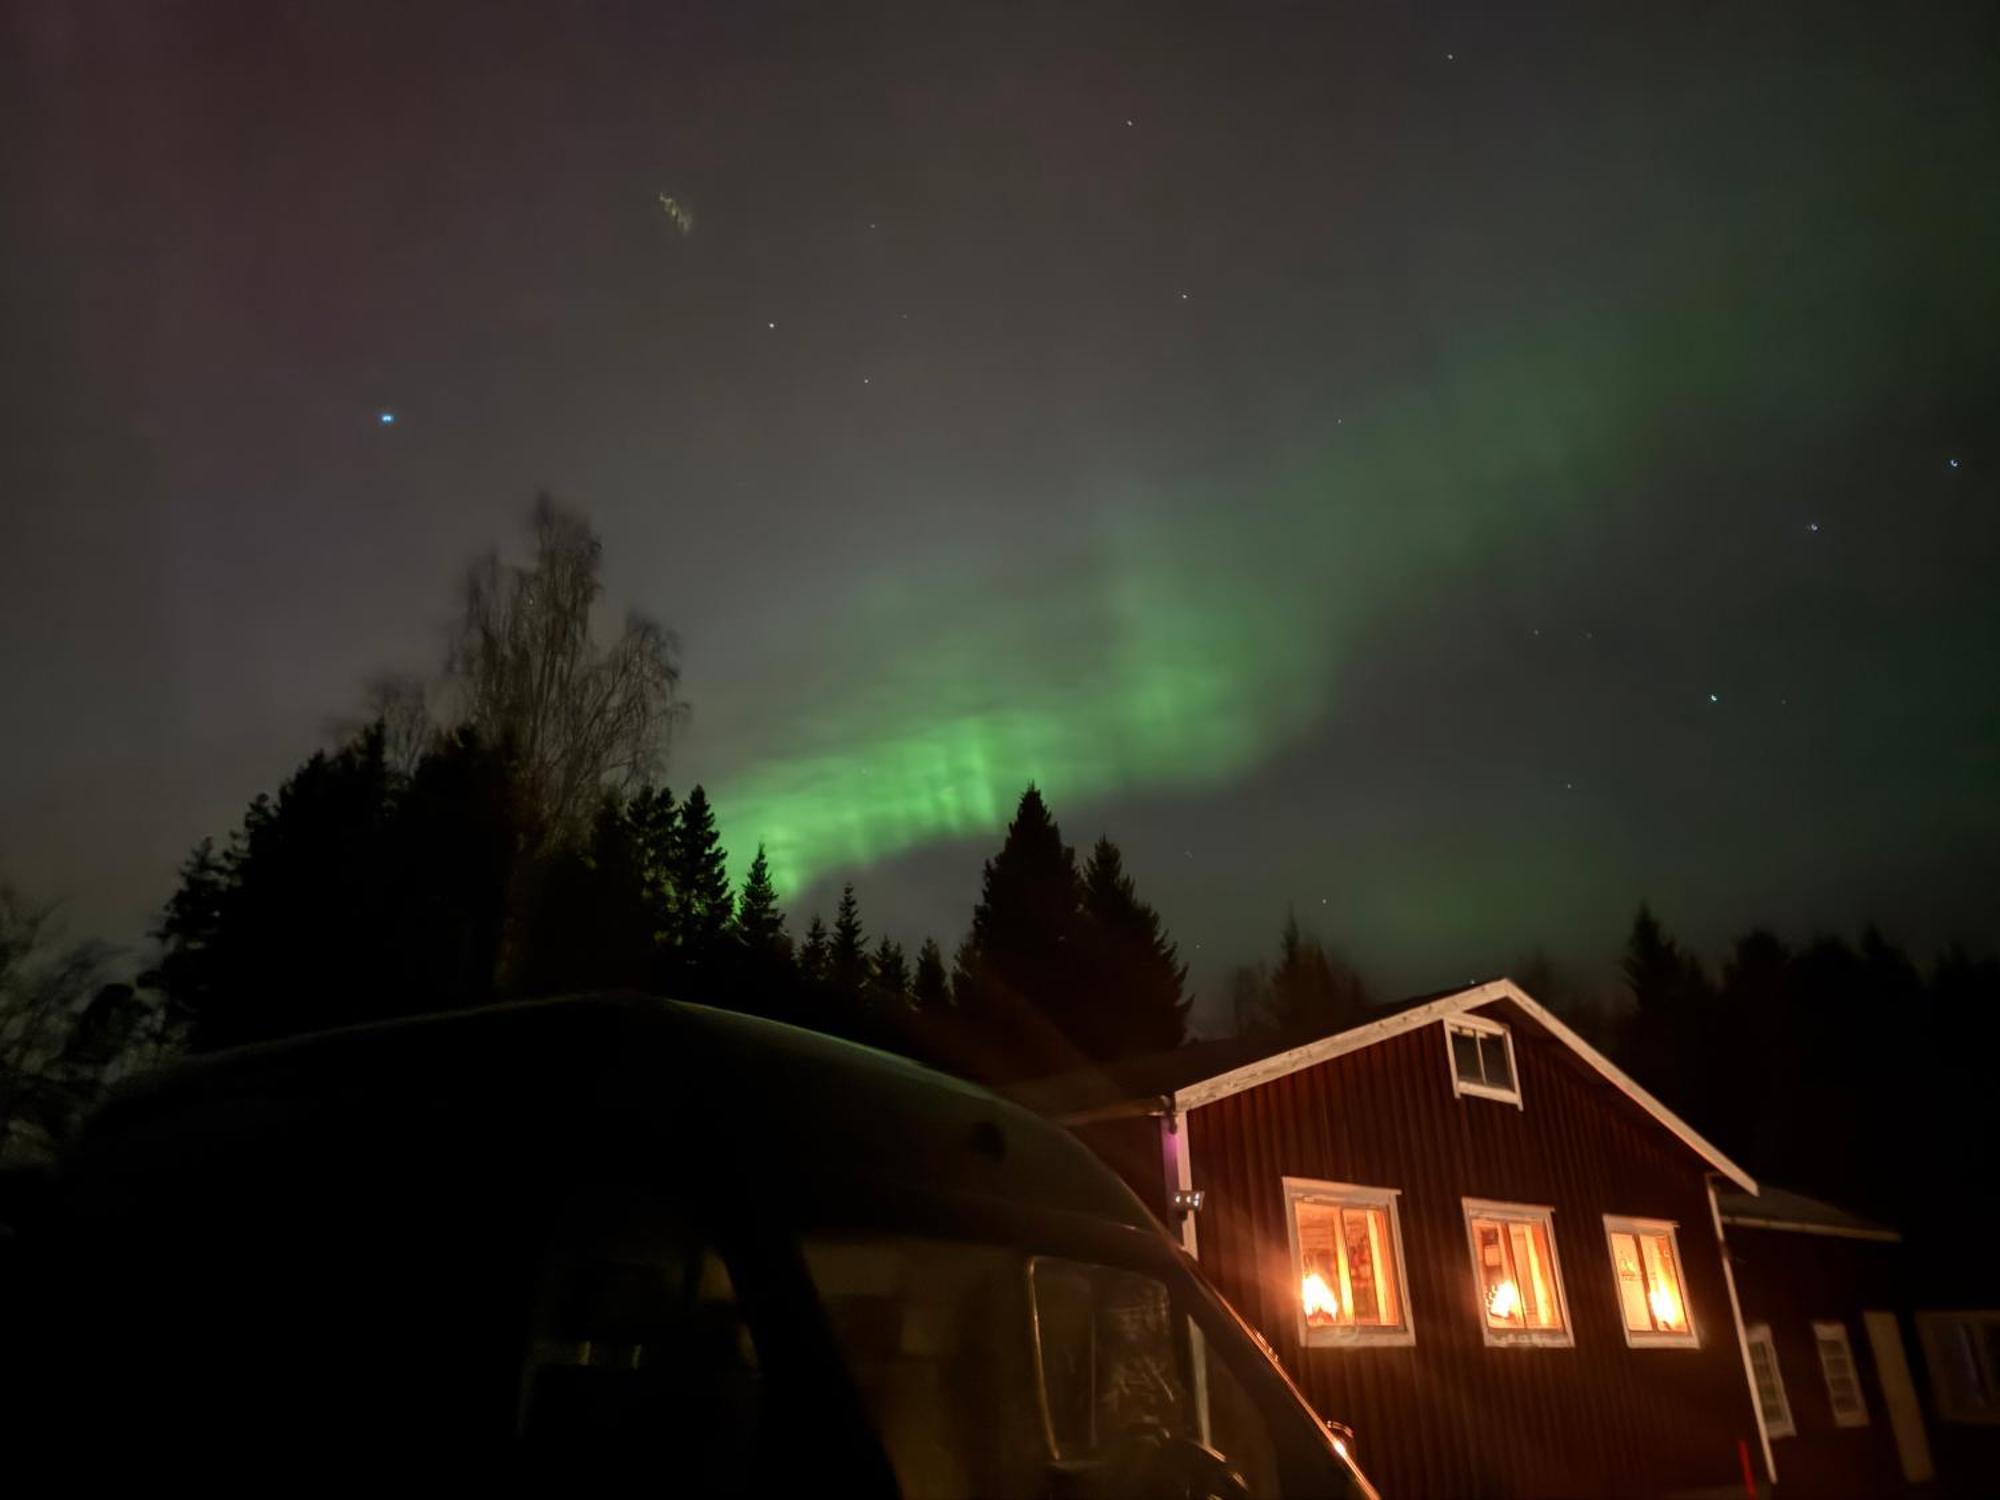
(654, 821)
(1018, 972)
(847, 959)
(1672, 1028)
(815, 952)
(1135, 1001)
(1312, 993)
(890, 972)
(760, 925)
(702, 907)
(930, 989)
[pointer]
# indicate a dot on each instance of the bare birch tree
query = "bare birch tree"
(527, 672)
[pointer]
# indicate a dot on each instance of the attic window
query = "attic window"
(1482, 1059)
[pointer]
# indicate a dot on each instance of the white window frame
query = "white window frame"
(1481, 1026)
(1651, 1338)
(1518, 1213)
(1932, 1329)
(1778, 1425)
(1838, 1331)
(1348, 1195)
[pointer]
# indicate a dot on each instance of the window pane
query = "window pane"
(1989, 1333)
(1499, 1293)
(1319, 1269)
(1770, 1382)
(1373, 1267)
(1236, 1427)
(1363, 1265)
(1663, 1284)
(1843, 1386)
(1631, 1283)
(1064, 1316)
(1493, 1061)
(1537, 1280)
(1465, 1056)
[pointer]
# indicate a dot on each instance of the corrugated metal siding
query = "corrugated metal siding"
(1450, 1416)
(1792, 1281)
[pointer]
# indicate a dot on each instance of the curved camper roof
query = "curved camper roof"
(775, 1097)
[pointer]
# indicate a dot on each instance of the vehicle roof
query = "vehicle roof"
(781, 1098)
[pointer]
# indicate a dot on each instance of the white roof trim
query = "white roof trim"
(1283, 1064)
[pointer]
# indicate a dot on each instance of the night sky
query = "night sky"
(1456, 470)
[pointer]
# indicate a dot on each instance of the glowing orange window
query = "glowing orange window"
(1646, 1269)
(1516, 1276)
(1347, 1264)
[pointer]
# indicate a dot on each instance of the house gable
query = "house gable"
(1472, 999)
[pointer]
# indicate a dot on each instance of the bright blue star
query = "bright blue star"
(387, 419)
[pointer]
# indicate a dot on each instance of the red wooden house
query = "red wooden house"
(1467, 1234)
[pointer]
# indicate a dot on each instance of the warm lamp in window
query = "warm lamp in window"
(1646, 1269)
(1347, 1263)
(1517, 1279)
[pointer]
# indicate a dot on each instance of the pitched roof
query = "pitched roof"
(1781, 1208)
(1204, 1072)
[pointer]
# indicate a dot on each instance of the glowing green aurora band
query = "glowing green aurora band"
(1187, 640)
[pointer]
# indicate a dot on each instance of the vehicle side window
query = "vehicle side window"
(1105, 1340)
(1115, 1362)
(1236, 1427)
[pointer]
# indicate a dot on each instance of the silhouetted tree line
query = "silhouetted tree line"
(502, 835)
(361, 892)
(1310, 991)
(1840, 1069)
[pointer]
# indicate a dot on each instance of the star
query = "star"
(1713, 699)
(387, 418)
(1128, 124)
(1812, 526)
(1952, 461)
(1184, 298)
(864, 380)
(770, 325)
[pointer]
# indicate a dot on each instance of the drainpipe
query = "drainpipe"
(1742, 1334)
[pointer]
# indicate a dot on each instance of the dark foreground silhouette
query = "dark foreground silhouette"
(538, 1240)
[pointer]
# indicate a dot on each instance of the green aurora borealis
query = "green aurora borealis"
(1196, 635)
